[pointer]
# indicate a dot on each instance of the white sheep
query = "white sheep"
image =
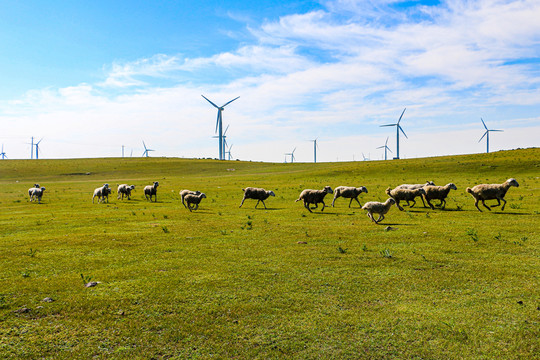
(183, 194)
(314, 197)
(439, 193)
(405, 195)
(36, 193)
(349, 192)
(151, 190)
(193, 200)
(256, 194)
(125, 189)
(497, 192)
(102, 193)
(415, 186)
(31, 190)
(375, 207)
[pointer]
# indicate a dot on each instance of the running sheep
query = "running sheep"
(256, 194)
(497, 192)
(375, 207)
(405, 195)
(349, 192)
(416, 186)
(102, 193)
(125, 189)
(193, 200)
(439, 193)
(314, 197)
(151, 190)
(183, 194)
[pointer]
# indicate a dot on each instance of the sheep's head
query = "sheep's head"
(422, 191)
(363, 189)
(36, 186)
(512, 182)
(328, 190)
(42, 189)
(452, 186)
(270, 193)
(156, 184)
(132, 187)
(202, 195)
(430, 183)
(391, 201)
(105, 185)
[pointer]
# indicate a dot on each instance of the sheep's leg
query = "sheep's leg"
(423, 203)
(350, 202)
(323, 205)
(306, 205)
(369, 215)
(398, 206)
(257, 204)
(487, 207)
(430, 204)
(476, 204)
(443, 203)
(189, 207)
(316, 206)
(503, 204)
(356, 198)
(263, 203)
(408, 204)
(381, 217)
(414, 203)
(240, 204)
(333, 201)
(498, 203)
(196, 207)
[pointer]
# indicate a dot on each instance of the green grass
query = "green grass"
(224, 282)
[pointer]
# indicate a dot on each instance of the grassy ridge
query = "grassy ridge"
(226, 282)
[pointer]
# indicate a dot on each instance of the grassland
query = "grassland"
(224, 282)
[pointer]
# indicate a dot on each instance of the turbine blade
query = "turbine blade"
(144, 145)
(496, 130)
(403, 131)
(227, 128)
(483, 135)
(218, 119)
(401, 115)
(386, 143)
(484, 123)
(380, 147)
(210, 102)
(230, 102)
(388, 125)
(387, 148)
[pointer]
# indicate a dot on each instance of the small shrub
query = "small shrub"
(32, 253)
(473, 234)
(341, 250)
(498, 237)
(165, 230)
(515, 206)
(85, 279)
(386, 253)
(364, 247)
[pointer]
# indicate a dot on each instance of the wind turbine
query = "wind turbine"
(3, 154)
(219, 125)
(224, 143)
(385, 147)
(365, 158)
(32, 148)
(398, 128)
(291, 154)
(146, 150)
(486, 134)
(37, 148)
(228, 152)
(315, 146)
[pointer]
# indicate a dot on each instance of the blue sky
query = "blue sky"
(91, 77)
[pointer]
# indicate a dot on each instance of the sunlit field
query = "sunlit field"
(230, 282)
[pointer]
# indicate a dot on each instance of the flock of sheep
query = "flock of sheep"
(406, 192)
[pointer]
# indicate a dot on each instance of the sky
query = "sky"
(94, 78)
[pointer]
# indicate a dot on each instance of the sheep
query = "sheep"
(151, 190)
(378, 208)
(256, 194)
(349, 192)
(36, 193)
(405, 194)
(314, 197)
(491, 192)
(125, 189)
(183, 194)
(192, 199)
(438, 192)
(415, 186)
(31, 190)
(102, 193)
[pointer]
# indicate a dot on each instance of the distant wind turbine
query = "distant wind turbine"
(291, 154)
(3, 154)
(228, 152)
(486, 134)
(365, 158)
(224, 142)
(315, 146)
(146, 150)
(219, 125)
(37, 148)
(385, 147)
(31, 148)
(398, 128)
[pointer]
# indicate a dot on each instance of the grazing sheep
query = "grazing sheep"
(378, 208)
(314, 197)
(125, 189)
(102, 193)
(256, 194)
(406, 195)
(193, 200)
(151, 190)
(439, 193)
(349, 192)
(491, 192)
(183, 194)
(416, 186)
(31, 190)
(36, 193)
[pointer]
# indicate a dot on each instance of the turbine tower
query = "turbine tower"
(385, 147)
(398, 128)
(3, 154)
(291, 154)
(224, 137)
(32, 148)
(219, 125)
(486, 134)
(315, 146)
(146, 150)
(228, 152)
(37, 148)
